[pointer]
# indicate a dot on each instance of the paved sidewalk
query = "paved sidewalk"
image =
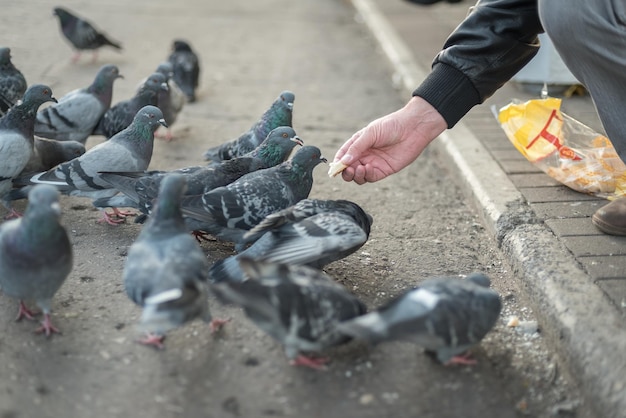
(574, 275)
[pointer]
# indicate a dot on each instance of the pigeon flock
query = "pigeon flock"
(253, 191)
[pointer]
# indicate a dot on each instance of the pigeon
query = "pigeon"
(297, 305)
(140, 188)
(229, 211)
(446, 316)
(172, 100)
(79, 111)
(279, 114)
(119, 116)
(186, 68)
(312, 232)
(177, 98)
(48, 153)
(12, 82)
(82, 34)
(166, 270)
(35, 255)
(129, 150)
(16, 137)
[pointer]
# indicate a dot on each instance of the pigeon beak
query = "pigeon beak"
(164, 87)
(53, 99)
(324, 160)
(162, 122)
(119, 76)
(290, 105)
(297, 140)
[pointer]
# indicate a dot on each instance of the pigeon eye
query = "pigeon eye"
(285, 135)
(45, 91)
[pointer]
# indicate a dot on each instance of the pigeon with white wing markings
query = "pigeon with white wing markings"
(186, 68)
(228, 212)
(279, 114)
(312, 232)
(297, 305)
(77, 113)
(16, 137)
(82, 34)
(446, 316)
(12, 82)
(166, 270)
(129, 150)
(48, 153)
(35, 255)
(141, 188)
(120, 115)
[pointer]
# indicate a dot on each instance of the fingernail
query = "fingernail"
(346, 159)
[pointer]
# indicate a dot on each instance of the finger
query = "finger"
(363, 142)
(359, 174)
(348, 174)
(344, 148)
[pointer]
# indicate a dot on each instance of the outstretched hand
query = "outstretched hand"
(390, 143)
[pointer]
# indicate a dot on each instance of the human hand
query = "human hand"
(390, 143)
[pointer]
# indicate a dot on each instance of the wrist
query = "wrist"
(425, 117)
(450, 91)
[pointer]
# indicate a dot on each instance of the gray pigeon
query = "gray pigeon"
(186, 68)
(279, 114)
(229, 211)
(82, 34)
(298, 306)
(446, 316)
(129, 150)
(35, 255)
(312, 232)
(140, 188)
(79, 111)
(172, 100)
(119, 116)
(166, 270)
(16, 137)
(12, 82)
(49, 153)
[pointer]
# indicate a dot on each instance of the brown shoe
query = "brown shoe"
(611, 218)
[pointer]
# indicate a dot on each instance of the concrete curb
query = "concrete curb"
(577, 319)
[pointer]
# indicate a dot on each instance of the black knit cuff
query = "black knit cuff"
(449, 91)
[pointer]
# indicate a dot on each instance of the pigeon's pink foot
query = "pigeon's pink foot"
(153, 340)
(318, 363)
(13, 214)
(24, 312)
(167, 136)
(94, 57)
(465, 359)
(47, 327)
(111, 218)
(217, 324)
(123, 213)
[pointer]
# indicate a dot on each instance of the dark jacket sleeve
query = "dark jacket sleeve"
(496, 39)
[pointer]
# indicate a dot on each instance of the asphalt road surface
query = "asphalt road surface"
(423, 227)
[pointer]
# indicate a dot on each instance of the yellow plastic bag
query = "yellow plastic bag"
(562, 147)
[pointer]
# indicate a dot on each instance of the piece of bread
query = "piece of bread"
(335, 168)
